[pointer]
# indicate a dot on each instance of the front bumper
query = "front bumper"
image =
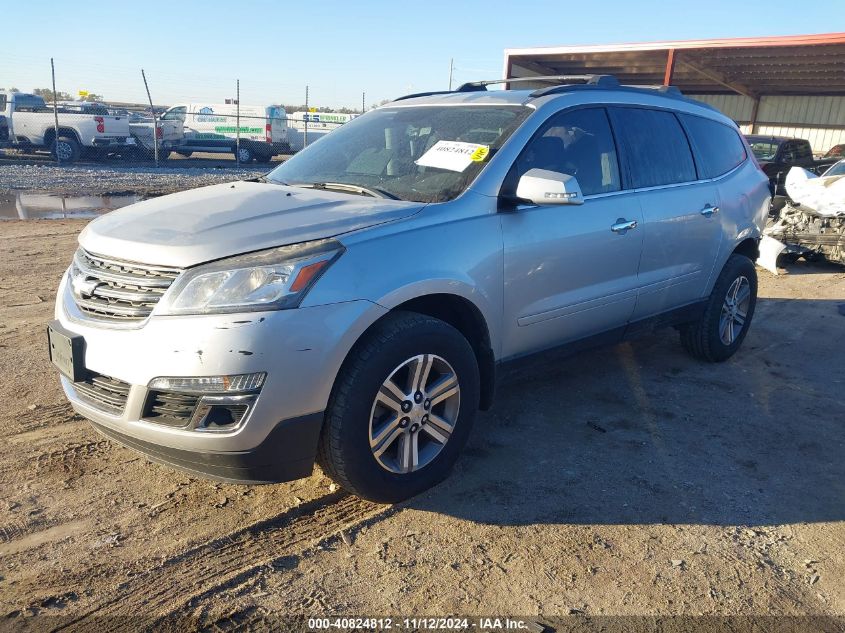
(287, 453)
(301, 351)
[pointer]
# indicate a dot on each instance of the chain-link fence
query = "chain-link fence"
(138, 127)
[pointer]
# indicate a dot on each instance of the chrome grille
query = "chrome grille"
(103, 392)
(115, 290)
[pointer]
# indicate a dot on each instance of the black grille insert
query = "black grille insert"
(170, 408)
(104, 393)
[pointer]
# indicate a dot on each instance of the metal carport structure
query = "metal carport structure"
(788, 85)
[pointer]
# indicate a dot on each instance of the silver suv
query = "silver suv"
(353, 306)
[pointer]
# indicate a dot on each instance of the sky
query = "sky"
(196, 50)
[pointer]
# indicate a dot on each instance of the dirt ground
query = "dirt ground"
(626, 481)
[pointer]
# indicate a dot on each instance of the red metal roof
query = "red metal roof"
(754, 66)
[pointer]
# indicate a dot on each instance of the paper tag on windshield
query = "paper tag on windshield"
(453, 155)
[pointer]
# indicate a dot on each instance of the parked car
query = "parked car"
(355, 305)
(32, 126)
(837, 151)
(778, 154)
(812, 222)
(213, 128)
(836, 169)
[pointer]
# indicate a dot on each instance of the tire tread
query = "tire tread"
(330, 454)
(697, 337)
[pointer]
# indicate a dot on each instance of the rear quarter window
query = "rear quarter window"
(656, 148)
(718, 147)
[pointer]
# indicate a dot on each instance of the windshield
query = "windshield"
(175, 114)
(419, 153)
(838, 169)
(763, 149)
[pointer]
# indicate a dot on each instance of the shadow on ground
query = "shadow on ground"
(642, 434)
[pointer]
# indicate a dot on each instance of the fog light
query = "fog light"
(238, 383)
(221, 413)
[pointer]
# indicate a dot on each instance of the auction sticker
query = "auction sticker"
(453, 155)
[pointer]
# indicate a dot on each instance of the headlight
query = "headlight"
(266, 280)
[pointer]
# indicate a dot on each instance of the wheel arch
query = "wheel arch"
(747, 244)
(459, 312)
(750, 247)
(50, 135)
(467, 318)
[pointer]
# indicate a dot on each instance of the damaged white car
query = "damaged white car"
(812, 223)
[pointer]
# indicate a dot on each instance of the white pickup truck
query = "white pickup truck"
(141, 126)
(32, 125)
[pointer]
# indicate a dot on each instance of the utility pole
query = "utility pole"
(155, 118)
(307, 114)
(363, 100)
(451, 68)
(238, 120)
(55, 112)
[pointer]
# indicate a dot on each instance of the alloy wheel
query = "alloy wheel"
(414, 413)
(734, 310)
(64, 150)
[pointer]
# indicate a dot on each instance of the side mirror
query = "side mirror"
(543, 187)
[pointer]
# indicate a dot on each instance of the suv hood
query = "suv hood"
(196, 226)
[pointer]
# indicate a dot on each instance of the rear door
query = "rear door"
(720, 154)
(681, 229)
(567, 273)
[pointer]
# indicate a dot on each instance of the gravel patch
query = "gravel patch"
(101, 180)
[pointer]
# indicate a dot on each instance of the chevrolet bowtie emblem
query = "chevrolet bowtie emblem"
(82, 286)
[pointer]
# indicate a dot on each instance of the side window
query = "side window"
(657, 150)
(578, 143)
(28, 103)
(718, 147)
(802, 150)
(2, 102)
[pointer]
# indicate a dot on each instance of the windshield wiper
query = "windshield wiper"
(342, 186)
(267, 180)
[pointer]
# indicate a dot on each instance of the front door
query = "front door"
(570, 271)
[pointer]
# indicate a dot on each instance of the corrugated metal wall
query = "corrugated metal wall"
(820, 120)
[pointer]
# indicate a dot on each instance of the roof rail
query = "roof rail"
(423, 94)
(669, 91)
(608, 81)
(588, 82)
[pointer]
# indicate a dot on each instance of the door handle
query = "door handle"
(622, 226)
(709, 210)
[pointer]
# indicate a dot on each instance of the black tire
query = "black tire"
(185, 154)
(163, 154)
(246, 154)
(263, 158)
(703, 339)
(68, 148)
(344, 452)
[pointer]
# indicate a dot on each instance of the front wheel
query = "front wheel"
(401, 409)
(717, 335)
